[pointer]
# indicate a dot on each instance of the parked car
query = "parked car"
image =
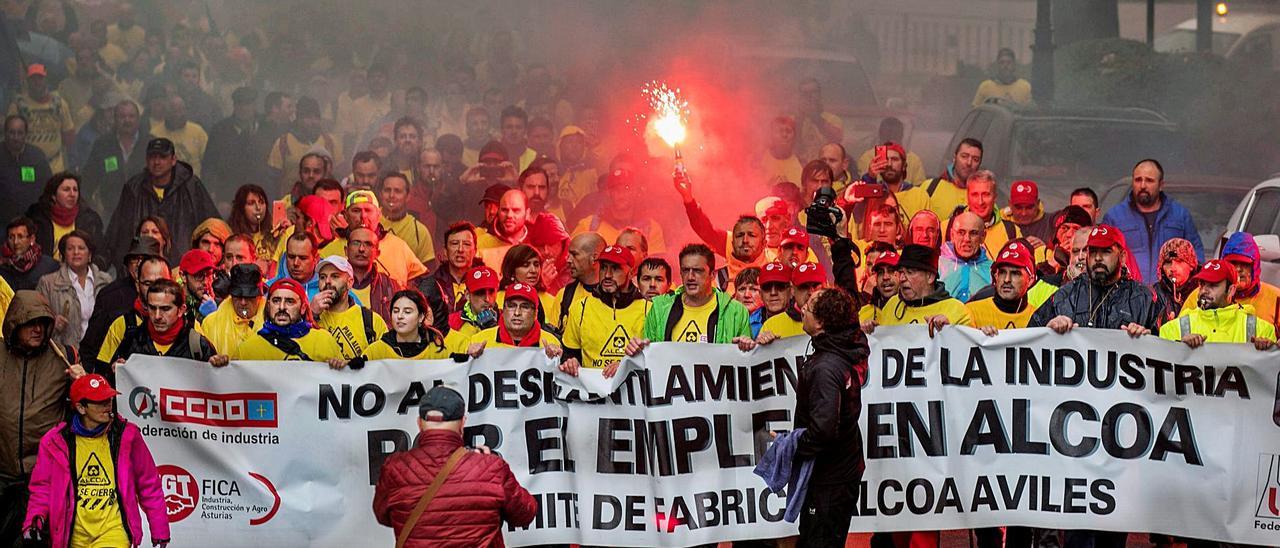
(1209, 198)
(1247, 37)
(1066, 148)
(1257, 215)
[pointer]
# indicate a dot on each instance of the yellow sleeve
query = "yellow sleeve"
(274, 159)
(915, 168)
(111, 342)
(379, 327)
(1170, 330)
(572, 324)
(1190, 303)
(1266, 330)
(6, 296)
(547, 339)
(984, 91)
(66, 123)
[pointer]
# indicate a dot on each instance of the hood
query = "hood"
(849, 344)
(182, 174)
(949, 254)
(616, 301)
(1242, 243)
(26, 306)
(1180, 249)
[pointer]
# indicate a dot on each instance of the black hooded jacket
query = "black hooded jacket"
(185, 205)
(828, 403)
(1102, 306)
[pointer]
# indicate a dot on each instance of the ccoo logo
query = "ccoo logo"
(143, 403)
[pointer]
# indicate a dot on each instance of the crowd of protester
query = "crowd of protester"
(166, 197)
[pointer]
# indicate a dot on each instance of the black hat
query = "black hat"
(918, 257)
(442, 404)
(1073, 214)
(160, 145)
(494, 193)
(246, 281)
(143, 246)
(244, 95)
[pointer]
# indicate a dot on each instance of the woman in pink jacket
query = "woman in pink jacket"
(92, 474)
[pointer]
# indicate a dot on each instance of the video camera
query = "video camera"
(823, 215)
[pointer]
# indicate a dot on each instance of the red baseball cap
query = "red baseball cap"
(481, 278)
(795, 236)
(1015, 254)
(1105, 236)
(1216, 271)
(1237, 258)
(319, 211)
(902, 152)
(1024, 193)
(809, 273)
(618, 255)
(92, 387)
(888, 258)
(775, 272)
(291, 285)
(196, 261)
(522, 291)
(36, 69)
(772, 205)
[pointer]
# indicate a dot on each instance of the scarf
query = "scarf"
(64, 216)
(295, 330)
(78, 428)
(139, 307)
(429, 336)
(531, 339)
(22, 263)
(167, 336)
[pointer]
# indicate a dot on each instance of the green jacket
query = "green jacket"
(730, 319)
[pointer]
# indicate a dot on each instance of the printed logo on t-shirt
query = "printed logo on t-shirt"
(93, 473)
(692, 333)
(616, 344)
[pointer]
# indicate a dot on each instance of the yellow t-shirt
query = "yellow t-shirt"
(788, 168)
(288, 166)
(897, 313)
(225, 330)
(380, 350)
(692, 325)
(490, 338)
(553, 315)
(783, 326)
(97, 516)
(58, 232)
(347, 328)
(317, 344)
(870, 313)
(46, 123)
(415, 234)
(491, 249)
(111, 341)
(985, 313)
(1019, 91)
(189, 142)
(657, 244)
(601, 332)
(945, 199)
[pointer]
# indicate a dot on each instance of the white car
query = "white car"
(1259, 215)
(1249, 37)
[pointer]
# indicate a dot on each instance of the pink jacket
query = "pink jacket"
(138, 484)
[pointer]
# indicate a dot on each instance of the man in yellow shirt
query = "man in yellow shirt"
(817, 126)
(514, 123)
(1216, 317)
(361, 113)
(921, 297)
(621, 209)
(288, 333)
(1012, 274)
(891, 129)
(884, 278)
(577, 176)
(393, 190)
(353, 326)
(510, 227)
(478, 313)
(395, 258)
(779, 164)
(189, 139)
(150, 270)
(306, 135)
(125, 32)
(947, 191)
(50, 126)
(240, 314)
(599, 327)
(519, 326)
(805, 279)
(1004, 84)
(584, 250)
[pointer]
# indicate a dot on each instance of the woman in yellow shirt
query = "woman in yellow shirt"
(411, 336)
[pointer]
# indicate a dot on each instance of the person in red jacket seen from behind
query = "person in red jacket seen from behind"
(87, 466)
(467, 507)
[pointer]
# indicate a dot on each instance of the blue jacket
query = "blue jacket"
(1172, 221)
(961, 277)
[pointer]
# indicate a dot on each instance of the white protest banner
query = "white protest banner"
(1091, 430)
(287, 453)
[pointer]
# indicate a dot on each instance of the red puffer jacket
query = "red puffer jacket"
(470, 507)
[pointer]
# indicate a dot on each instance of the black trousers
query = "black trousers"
(824, 520)
(1016, 537)
(1095, 539)
(13, 509)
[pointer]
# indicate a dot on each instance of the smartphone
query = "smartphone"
(882, 153)
(279, 213)
(865, 190)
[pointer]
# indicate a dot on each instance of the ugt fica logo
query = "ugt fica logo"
(1268, 486)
